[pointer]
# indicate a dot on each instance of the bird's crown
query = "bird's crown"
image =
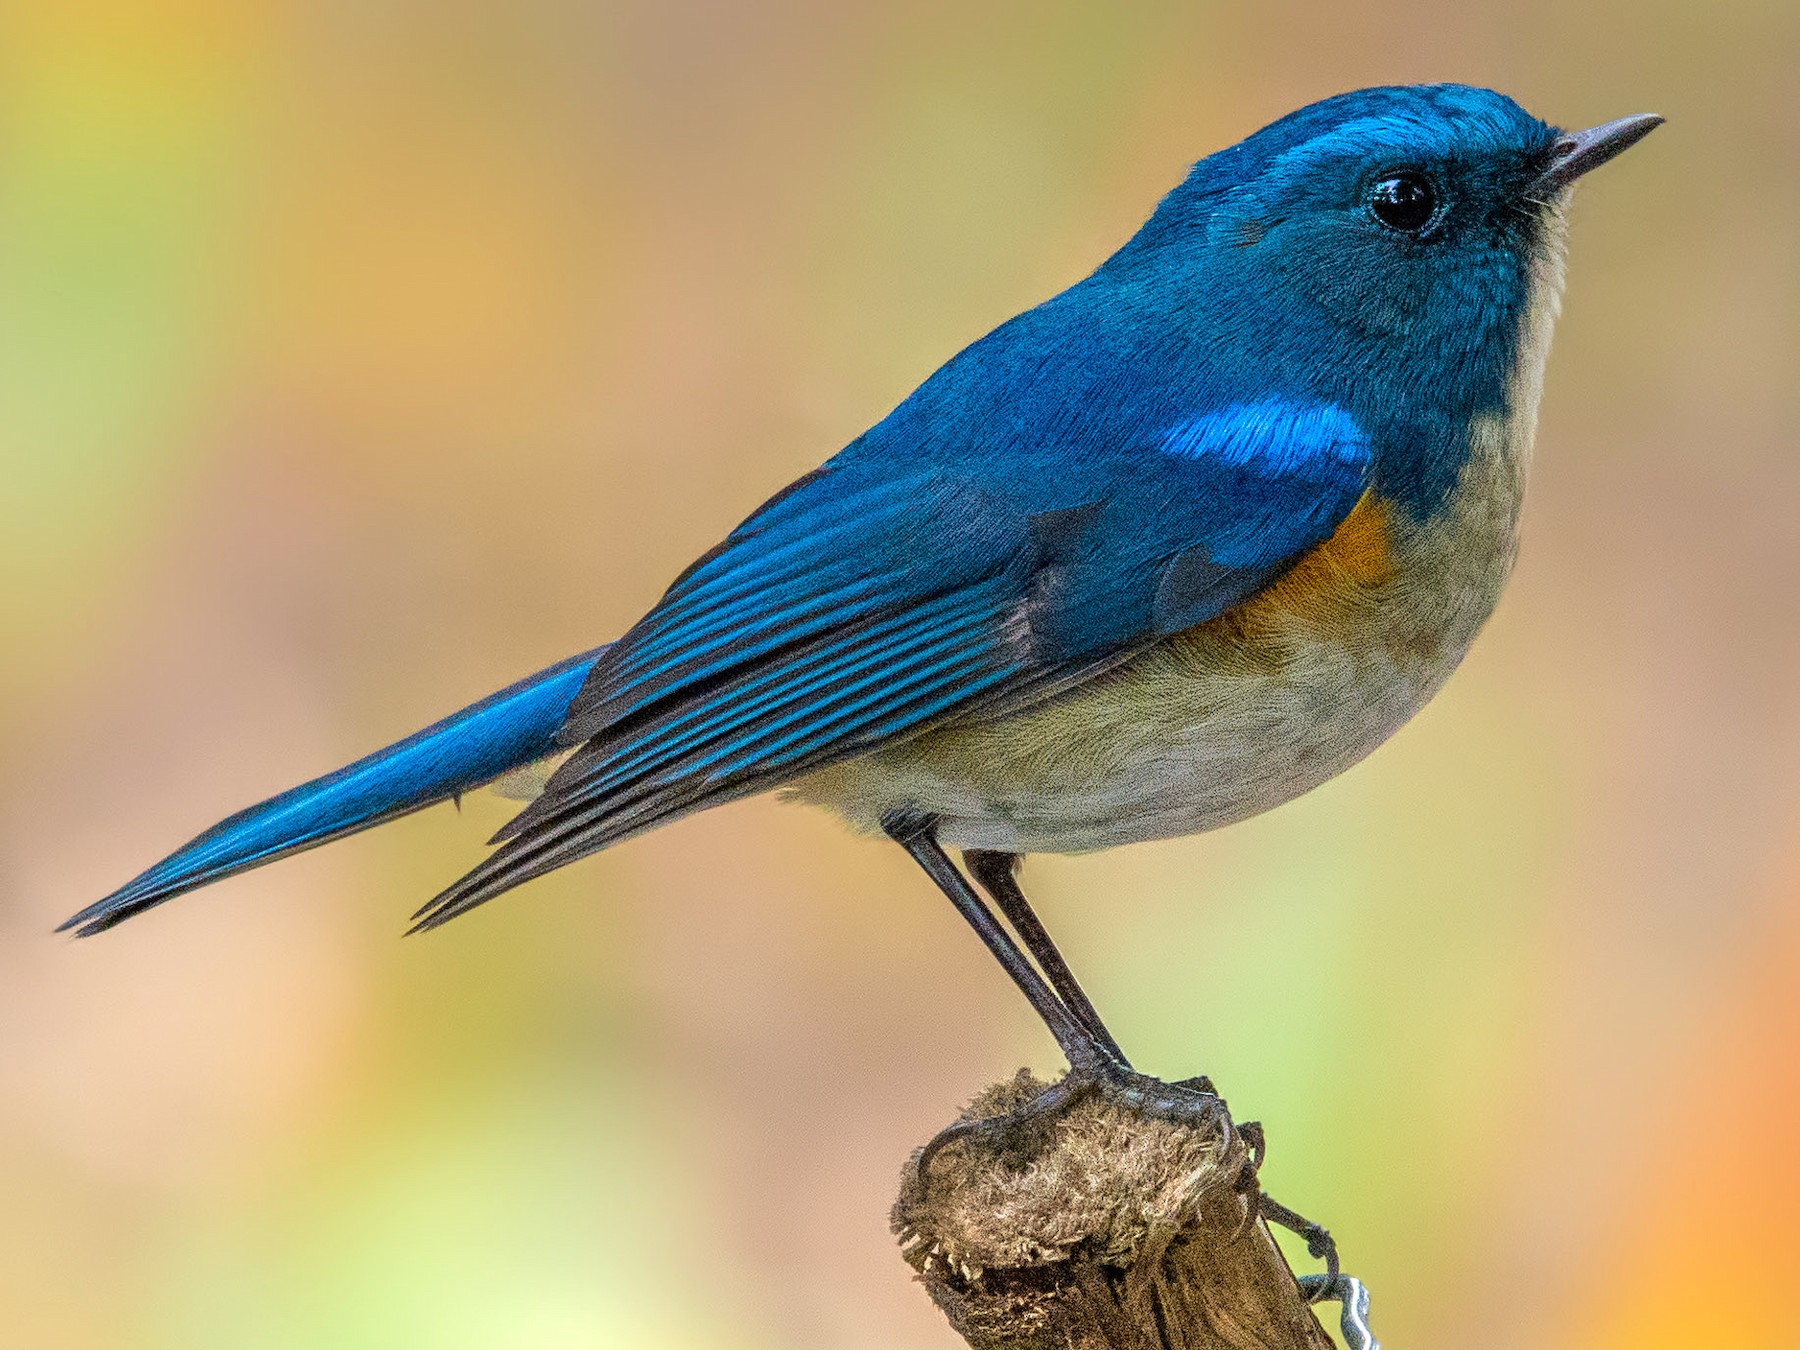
(1389, 167)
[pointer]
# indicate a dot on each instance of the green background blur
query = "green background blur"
(357, 358)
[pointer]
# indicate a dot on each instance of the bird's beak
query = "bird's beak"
(1578, 151)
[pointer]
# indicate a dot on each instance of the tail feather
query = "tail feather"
(460, 753)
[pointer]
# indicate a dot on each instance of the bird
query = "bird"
(1158, 554)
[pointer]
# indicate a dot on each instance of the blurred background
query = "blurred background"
(357, 358)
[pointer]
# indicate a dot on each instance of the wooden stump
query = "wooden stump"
(1111, 1223)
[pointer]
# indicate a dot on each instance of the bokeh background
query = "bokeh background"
(357, 358)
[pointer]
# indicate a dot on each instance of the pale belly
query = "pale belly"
(1185, 738)
(1232, 717)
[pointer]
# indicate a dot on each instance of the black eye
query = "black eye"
(1404, 201)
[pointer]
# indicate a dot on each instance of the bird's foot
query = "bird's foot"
(1319, 1243)
(1333, 1286)
(1191, 1101)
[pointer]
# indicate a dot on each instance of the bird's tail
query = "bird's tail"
(467, 749)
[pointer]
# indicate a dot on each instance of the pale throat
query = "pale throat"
(1462, 557)
(1544, 276)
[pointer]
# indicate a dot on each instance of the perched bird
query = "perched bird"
(1168, 550)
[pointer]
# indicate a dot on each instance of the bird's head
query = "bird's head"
(1391, 207)
(1398, 244)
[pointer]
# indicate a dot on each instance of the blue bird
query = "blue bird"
(1163, 552)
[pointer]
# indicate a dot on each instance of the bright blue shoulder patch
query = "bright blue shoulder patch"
(1321, 442)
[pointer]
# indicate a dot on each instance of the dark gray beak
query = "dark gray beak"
(1578, 151)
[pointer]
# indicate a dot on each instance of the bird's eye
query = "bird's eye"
(1404, 201)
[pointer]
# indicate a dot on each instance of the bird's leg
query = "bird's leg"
(918, 836)
(1092, 1064)
(1088, 1061)
(997, 874)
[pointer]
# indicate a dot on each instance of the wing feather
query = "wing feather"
(871, 602)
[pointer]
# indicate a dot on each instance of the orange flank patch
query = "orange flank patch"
(1358, 557)
(1360, 548)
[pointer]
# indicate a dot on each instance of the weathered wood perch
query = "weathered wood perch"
(1112, 1223)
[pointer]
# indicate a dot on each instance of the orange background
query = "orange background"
(358, 358)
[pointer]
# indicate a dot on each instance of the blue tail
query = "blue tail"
(465, 750)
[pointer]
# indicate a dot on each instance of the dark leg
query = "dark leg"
(996, 874)
(918, 836)
(1092, 1067)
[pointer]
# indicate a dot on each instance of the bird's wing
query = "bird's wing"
(871, 601)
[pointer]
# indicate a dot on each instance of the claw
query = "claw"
(1182, 1102)
(1058, 1097)
(1256, 1141)
(1333, 1286)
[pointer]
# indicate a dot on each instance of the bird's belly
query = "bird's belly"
(1184, 738)
(1229, 718)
